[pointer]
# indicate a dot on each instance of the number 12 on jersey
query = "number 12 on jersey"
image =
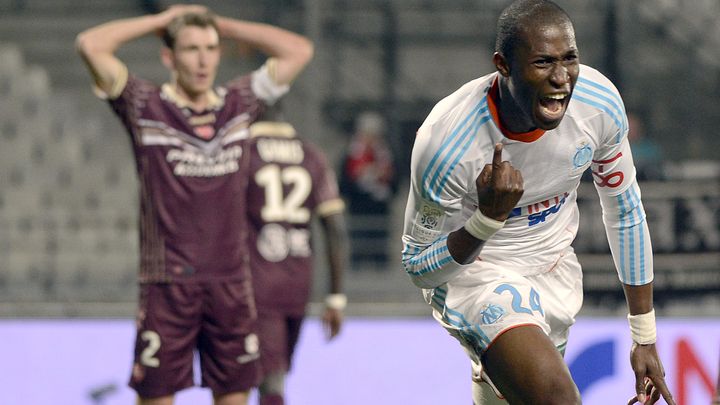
(279, 208)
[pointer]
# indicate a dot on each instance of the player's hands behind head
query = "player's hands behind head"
(177, 10)
(499, 187)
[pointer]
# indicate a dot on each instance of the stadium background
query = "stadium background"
(68, 245)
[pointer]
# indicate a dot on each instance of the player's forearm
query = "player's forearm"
(292, 51)
(639, 298)
(641, 318)
(107, 38)
(463, 247)
(336, 241)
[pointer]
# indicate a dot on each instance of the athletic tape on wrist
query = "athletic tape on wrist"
(336, 301)
(642, 328)
(481, 226)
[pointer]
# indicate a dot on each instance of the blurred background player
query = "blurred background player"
(195, 290)
(647, 153)
(492, 212)
(290, 185)
(368, 183)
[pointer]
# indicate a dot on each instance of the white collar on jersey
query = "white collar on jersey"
(214, 100)
(272, 128)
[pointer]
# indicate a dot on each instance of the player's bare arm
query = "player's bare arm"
(499, 187)
(98, 45)
(335, 232)
(291, 51)
(650, 382)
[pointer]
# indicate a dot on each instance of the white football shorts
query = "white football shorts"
(487, 299)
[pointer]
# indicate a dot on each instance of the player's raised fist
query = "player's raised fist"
(499, 187)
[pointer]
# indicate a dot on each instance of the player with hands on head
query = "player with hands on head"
(186, 136)
(492, 212)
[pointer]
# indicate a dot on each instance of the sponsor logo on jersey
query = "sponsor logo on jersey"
(535, 218)
(193, 163)
(276, 243)
(539, 212)
(491, 314)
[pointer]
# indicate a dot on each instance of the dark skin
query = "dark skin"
(650, 382)
(336, 242)
(536, 83)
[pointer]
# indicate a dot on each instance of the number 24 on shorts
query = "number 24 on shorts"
(517, 299)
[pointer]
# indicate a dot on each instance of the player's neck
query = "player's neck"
(197, 102)
(510, 114)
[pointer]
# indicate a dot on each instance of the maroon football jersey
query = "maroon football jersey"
(290, 183)
(191, 184)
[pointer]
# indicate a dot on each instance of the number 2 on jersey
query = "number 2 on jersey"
(277, 208)
(517, 299)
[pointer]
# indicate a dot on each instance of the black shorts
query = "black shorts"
(216, 318)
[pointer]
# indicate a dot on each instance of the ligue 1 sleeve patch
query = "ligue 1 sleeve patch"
(428, 222)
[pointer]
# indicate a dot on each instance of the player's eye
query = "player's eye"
(542, 63)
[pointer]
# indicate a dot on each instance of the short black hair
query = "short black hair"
(515, 16)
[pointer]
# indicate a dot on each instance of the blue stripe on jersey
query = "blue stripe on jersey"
(467, 329)
(427, 185)
(618, 108)
(604, 89)
(618, 122)
(631, 237)
(415, 259)
(464, 149)
(643, 276)
(629, 224)
(426, 257)
(621, 239)
(409, 251)
(616, 101)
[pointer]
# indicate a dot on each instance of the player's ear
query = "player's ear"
(166, 55)
(501, 64)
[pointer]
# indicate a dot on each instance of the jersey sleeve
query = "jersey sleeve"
(613, 173)
(264, 85)
(117, 87)
(129, 100)
(434, 209)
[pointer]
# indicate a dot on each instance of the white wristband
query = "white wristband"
(337, 302)
(481, 226)
(642, 328)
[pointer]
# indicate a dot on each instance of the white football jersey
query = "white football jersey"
(457, 140)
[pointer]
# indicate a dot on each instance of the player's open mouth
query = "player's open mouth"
(552, 106)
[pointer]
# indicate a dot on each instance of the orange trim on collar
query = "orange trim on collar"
(493, 98)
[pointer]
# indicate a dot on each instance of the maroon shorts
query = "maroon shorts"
(279, 333)
(218, 319)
